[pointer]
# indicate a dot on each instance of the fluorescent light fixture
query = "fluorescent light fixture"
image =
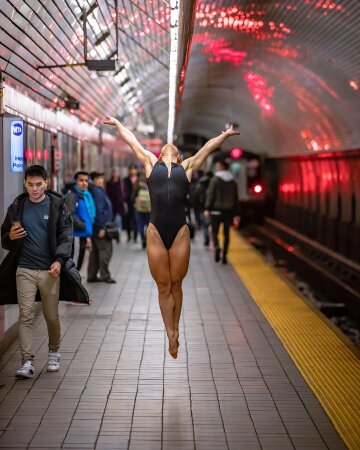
(174, 32)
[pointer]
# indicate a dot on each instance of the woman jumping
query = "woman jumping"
(168, 239)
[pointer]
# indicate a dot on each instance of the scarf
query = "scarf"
(89, 202)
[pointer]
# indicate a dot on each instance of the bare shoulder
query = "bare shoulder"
(187, 163)
(151, 157)
(149, 164)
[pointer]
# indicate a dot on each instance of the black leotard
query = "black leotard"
(168, 200)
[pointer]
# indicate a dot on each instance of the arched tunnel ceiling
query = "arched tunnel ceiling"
(288, 72)
(47, 32)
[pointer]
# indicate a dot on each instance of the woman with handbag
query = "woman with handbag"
(168, 239)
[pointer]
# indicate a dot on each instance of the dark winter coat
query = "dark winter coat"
(128, 194)
(115, 192)
(221, 194)
(199, 194)
(60, 244)
(103, 206)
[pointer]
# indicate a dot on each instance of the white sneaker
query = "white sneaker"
(53, 364)
(26, 371)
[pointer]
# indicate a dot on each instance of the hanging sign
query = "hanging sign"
(17, 146)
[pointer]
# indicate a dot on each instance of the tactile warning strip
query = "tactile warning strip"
(326, 361)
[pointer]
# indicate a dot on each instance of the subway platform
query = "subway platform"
(234, 385)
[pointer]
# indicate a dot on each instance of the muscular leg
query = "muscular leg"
(179, 254)
(158, 259)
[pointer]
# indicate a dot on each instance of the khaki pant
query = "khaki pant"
(28, 281)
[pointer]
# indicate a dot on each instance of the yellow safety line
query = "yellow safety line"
(325, 358)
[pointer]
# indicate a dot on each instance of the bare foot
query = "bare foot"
(173, 347)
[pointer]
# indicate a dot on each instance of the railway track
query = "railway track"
(336, 277)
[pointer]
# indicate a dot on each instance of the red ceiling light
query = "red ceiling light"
(354, 85)
(236, 153)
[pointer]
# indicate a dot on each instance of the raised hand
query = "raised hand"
(231, 132)
(109, 120)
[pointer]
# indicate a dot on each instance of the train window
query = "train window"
(39, 146)
(47, 152)
(29, 152)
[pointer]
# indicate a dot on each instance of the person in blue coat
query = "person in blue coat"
(101, 253)
(81, 206)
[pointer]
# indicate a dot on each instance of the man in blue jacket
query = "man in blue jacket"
(81, 206)
(101, 253)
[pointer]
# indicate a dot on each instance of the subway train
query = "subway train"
(62, 154)
(319, 196)
(316, 194)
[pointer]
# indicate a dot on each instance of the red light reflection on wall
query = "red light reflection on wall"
(281, 49)
(328, 5)
(257, 85)
(232, 17)
(221, 53)
(28, 153)
(287, 188)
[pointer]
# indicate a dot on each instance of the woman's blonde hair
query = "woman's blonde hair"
(179, 157)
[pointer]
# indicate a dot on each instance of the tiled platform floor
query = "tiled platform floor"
(232, 387)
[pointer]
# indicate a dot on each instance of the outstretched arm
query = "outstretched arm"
(194, 162)
(144, 156)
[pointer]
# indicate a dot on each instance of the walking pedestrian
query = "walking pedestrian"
(142, 205)
(130, 220)
(101, 253)
(81, 206)
(115, 191)
(221, 206)
(37, 231)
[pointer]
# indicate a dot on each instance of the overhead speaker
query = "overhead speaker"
(100, 64)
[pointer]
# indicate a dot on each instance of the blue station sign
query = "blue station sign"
(17, 145)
